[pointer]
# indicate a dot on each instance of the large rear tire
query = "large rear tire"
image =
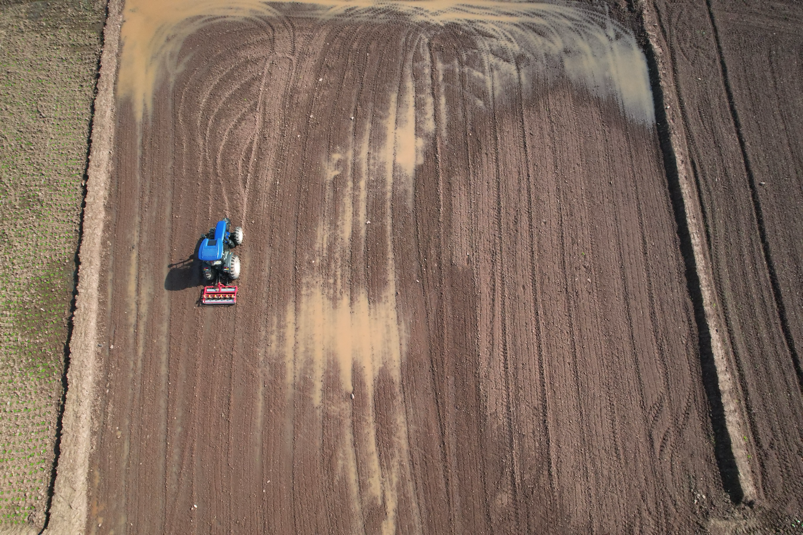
(237, 235)
(234, 269)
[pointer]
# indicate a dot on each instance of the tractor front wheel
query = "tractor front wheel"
(237, 235)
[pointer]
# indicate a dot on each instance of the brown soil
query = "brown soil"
(463, 305)
(738, 75)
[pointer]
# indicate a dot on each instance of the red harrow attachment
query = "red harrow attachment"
(219, 295)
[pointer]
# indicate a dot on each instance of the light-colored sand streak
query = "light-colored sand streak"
(336, 322)
(594, 51)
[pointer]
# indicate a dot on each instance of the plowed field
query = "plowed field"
(464, 306)
(739, 75)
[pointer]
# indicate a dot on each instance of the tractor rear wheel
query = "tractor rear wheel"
(237, 235)
(234, 269)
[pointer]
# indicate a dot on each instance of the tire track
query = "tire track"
(205, 142)
(588, 270)
(357, 243)
(761, 111)
(506, 336)
(297, 281)
(469, 134)
(438, 375)
(250, 376)
(184, 396)
(537, 298)
(720, 276)
(461, 356)
(346, 446)
(491, 64)
(664, 371)
(152, 342)
(674, 384)
(266, 402)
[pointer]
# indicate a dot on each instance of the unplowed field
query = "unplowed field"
(48, 63)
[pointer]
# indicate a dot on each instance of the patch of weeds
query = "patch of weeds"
(41, 319)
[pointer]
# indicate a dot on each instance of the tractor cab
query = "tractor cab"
(211, 248)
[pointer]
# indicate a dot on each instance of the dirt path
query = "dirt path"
(463, 303)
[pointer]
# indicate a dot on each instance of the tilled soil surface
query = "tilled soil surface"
(738, 74)
(463, 305)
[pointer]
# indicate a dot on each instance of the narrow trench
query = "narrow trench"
(64, 383)
(66, 366)
(723, 450)
(77, 264)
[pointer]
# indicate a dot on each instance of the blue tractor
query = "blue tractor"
(219, 265)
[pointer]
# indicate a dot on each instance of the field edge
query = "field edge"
(69, 508)
(722, 387)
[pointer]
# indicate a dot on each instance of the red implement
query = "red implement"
(219, 295)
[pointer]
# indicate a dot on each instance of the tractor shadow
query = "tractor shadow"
(184, 273)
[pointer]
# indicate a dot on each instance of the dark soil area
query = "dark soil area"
(463, 304)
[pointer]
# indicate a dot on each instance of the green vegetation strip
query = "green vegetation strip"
(48, 64)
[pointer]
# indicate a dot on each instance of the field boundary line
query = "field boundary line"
(69, 506)
(723, 359)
